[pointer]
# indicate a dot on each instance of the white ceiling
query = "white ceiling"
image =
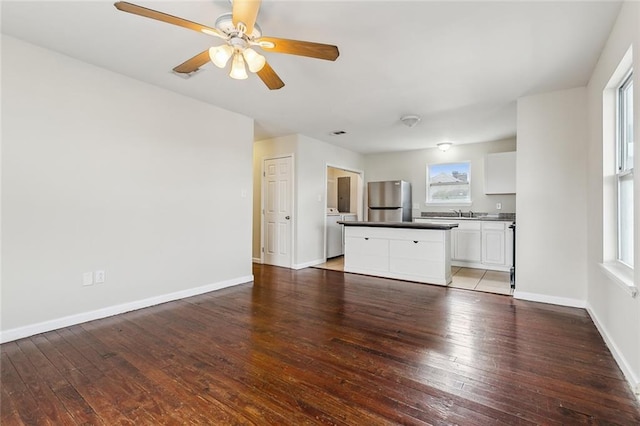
(459, 65)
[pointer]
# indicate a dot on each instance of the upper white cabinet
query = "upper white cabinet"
(500, 173)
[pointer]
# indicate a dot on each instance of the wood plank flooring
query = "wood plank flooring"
(321, 347)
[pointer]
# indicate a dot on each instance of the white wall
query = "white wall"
(613, 309)
(551, 236)
(311, 159)
(100, 171)
(411, 166)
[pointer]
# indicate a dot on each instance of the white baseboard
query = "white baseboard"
(308, 264)
(633, 379)
(42, 327)
(257, 260)
(543, 298)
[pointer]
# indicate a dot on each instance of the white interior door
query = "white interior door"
(278, 209)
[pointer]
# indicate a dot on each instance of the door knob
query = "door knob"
(287, 217)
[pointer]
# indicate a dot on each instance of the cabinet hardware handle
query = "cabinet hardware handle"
(366, 238)
(415, 241)
(287, 217)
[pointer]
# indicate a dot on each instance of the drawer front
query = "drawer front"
(498, 226)
(367, 246)
(395, 233)
(435, 235)
(371, 254)
(469, 225)
(417, 250)
(365, 232)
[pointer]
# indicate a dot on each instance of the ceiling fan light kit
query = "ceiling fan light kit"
(254, 60)
(220, 55)
(240, 31)
(238, 71)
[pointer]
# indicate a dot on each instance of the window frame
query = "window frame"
(623, 167)
(465, 202)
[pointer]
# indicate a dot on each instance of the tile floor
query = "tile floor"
(465, 278)
(481, 280)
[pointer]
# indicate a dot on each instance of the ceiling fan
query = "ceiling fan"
(241, 33)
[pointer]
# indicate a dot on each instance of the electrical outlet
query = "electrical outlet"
(498, 206)
(99, 277)
(87, 278)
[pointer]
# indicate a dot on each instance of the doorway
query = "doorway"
(344, 202)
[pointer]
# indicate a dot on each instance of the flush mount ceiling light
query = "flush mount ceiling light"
(241, 34)
(410, 120)
(443, 146)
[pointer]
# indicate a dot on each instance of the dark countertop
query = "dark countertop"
(405, 225)
(464, 218)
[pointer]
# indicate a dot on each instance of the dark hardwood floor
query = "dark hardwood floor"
(321, 347)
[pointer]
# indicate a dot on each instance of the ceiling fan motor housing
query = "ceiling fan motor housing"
(225, 24)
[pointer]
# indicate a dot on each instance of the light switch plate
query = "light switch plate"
(87, 278)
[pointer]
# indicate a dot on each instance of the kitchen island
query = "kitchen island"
(403, 250)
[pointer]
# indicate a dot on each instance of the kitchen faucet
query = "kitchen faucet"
(458, 212)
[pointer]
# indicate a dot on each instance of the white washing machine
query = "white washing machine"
(335, 232)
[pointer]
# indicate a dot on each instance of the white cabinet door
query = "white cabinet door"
(468, 247)
(493, 247)
(366, 253)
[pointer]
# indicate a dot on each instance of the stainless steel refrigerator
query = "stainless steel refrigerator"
(389, 201)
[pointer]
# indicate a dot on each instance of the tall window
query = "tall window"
(624, 174)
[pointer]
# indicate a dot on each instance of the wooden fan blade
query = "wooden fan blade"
(170, 19)
(300, 48)
(270, 78)
(193, 64)
(246, 11)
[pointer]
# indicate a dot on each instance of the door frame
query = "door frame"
(326, 191)
(293, 205)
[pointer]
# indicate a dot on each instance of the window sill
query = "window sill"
(621, 275)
